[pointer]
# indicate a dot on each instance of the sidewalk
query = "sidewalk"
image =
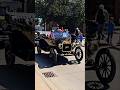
(67, 78)
(61, 77)
(40, 84)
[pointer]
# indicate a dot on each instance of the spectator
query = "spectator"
(101, 18)
(110, 29)
(78, 32)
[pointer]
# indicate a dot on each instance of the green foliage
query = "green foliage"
(64, 12)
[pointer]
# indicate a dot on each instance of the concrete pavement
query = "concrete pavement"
(40, 84)
(66, 76)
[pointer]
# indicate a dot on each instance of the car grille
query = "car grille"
(66, 47)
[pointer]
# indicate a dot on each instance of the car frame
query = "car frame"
(61, 46)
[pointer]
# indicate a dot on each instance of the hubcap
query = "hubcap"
(104, 66)
(78, 53)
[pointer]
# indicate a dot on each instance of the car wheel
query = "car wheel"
(78, 54)
(53, 55)
(105, 66)
(38, 50)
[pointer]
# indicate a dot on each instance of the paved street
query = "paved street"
(17, 76)
(67, 75)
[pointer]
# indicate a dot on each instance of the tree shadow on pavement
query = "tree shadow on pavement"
(17, 77)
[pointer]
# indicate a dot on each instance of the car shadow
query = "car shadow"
(17, 77)
(96, 85)
(44, 61)
(90, 67)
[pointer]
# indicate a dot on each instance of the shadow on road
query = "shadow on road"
(44, 61)
(95, 85)
(17, 77)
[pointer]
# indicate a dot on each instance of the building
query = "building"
(18, 8)
(12, 5)
(111, 5)
(18, 5)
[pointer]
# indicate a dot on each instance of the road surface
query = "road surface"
(18, 77)
(67, 75)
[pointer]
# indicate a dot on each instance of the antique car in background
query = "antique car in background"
(61, 43)
(18, 40)
(98, 55)
(3, 33)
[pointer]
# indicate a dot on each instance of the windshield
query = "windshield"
(60, 35)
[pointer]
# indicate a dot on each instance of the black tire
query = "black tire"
(105, 66)
(78, 54)
(9, 57)
(53, 55)
(38, 50)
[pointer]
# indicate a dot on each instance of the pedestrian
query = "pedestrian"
(110, 30)
(78, 32)
(101, 18)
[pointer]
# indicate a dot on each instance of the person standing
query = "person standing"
(110, 29)
(102, 16)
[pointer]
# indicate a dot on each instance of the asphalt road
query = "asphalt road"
(18, 77)
(66, 75)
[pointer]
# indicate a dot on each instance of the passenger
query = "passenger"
(79, 34)
(73, 36)
(66, 33)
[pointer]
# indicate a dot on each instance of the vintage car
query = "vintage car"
(98, 55)
(61, 43)
(17, 40)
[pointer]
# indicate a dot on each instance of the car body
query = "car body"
(60, 43)
(16, 41)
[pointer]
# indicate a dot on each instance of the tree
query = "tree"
(70, 13)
